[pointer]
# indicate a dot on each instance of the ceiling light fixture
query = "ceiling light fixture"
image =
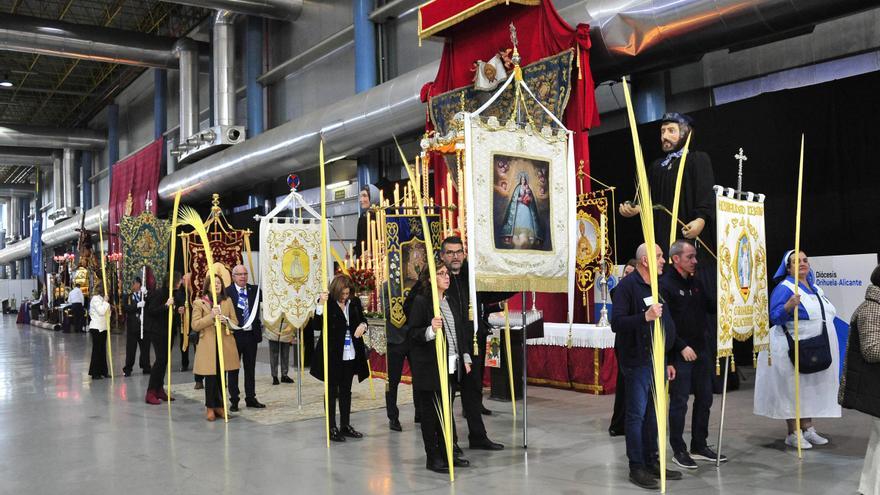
(5, 82)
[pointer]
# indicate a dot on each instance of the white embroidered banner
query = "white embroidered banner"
(290, 273)
(742, 275)
(521, 189)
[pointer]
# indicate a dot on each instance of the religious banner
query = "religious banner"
(134, 185)
(36, 248)
(742, 275)
(407, 257)
(228, 246)
(592, 239)
(290, 274)
(145, 240)
(521, 182)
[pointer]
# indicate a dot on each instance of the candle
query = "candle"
(449, 201)
(373, 244)
(396, 195)
(443, 210)
(601, 236)
(418, 171)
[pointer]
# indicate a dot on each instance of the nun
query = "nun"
(819, 378)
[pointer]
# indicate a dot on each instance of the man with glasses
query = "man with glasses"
(244, 298)
(471, 384)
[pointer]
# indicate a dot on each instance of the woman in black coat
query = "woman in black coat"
(423, 328)
(346, 352)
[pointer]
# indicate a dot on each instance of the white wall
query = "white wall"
(18, 289)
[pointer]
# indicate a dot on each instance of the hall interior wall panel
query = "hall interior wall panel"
(19, 289)
(408, 55)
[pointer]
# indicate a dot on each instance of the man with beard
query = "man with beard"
(471, 386)
(697, 199)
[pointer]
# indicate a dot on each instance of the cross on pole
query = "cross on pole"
(740, 157)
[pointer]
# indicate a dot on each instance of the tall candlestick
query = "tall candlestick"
(602, 237)
(449, 201)
(418, 180)
(396, 195)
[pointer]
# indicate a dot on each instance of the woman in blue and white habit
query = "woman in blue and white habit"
(774, 383)
(520, 227)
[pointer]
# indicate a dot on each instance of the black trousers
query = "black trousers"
(470, 387)
(98, 362)
(133, 342)
(77, 315)
(213, 387)
(432, 433)
(618, 418)
(395, 358)
(247, 351)
(341, 391)
(157, 371)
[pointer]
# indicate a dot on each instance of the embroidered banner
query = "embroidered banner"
(407, 257)
(290, 274)
(521, 185)
(592, 238)
(145, 240)
(226, 247)
(549, 78)
(36, 248)
(742, 275)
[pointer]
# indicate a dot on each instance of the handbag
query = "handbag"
(815, 352)
(193, 337)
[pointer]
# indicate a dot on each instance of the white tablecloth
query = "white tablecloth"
(582, 335)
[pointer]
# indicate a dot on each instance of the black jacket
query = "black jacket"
(689, 305)
(633, 334)
(132, 314)
(423, 353)
(156, 313)
(255, 335)
(697, 198)
(859, 388)
(459, 300)
(336, 327)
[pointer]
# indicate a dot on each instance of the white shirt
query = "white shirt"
(348, 353)
(76, 296)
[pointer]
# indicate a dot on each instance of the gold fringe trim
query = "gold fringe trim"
(499, 283)
(466, 14)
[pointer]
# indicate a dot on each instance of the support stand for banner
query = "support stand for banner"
(525, 373)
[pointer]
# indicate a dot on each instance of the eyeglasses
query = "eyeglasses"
(442, 274)
(239, 274)
(454, 253)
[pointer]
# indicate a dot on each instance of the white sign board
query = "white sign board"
(844, 279)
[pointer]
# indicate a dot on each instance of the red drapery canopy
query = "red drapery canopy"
(137, 175)
(541, 32)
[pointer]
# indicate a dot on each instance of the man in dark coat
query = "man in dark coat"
(131, 306)
(245, 299)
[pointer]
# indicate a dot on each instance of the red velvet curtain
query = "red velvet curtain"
(541, 32)
(138, 175)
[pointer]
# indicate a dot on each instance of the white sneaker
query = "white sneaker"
(813, 437)
(791, 441)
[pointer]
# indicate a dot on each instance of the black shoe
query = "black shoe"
(654, 469)
(233, 406)
(147, 371)
(335, 435)
(417, 419)
(457, 450)
(254, 403)
(484, 411)
(437, 466)
(683, 459)
(286, 379)
(615, 432)
(126, 373)
(460, 462)
(640, 476)
(707, 454)
(184, 367)
(486, 444)
(275, 380)
(394, 425)
(199, 386)
(348, 431)
(97, 377)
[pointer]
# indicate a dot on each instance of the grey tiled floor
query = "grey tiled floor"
(62, 433)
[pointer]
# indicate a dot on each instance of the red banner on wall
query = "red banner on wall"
(138, 177)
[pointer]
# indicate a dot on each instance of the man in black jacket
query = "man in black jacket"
(632, 320)
(132, 305)
(689, 304)
(471, 384)
(398, 349)
(244, 298)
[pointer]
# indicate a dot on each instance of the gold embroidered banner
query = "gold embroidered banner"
(290, 274)
(144, 243)
(407, 257)
(742, 275)
(592, 238)
(521, 190)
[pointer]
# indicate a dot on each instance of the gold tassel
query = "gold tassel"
(577, 51)
(476, 346)
(732, 364)
(717, 367)
(755, 360)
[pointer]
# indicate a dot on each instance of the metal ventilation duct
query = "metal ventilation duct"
(63, 39)
(187, 55)
(223, 44)
(640, 35)
(28, 157)
(285, 10)
(51, 137)
(59, 233)
(348, 126)
(628, 36)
